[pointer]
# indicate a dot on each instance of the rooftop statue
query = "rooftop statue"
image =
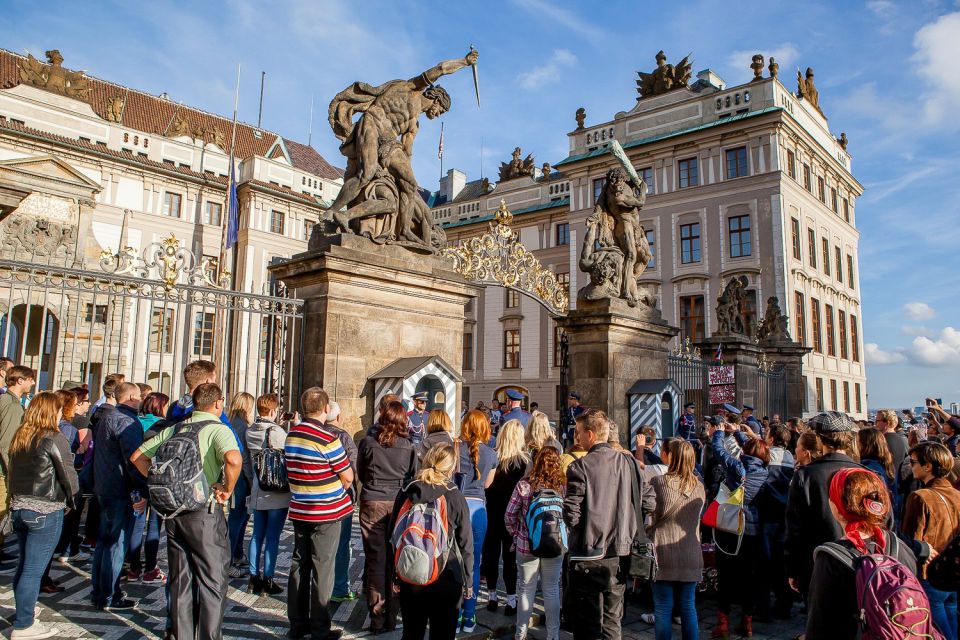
(615, 251)
(379, 198)
(53, 77)
(807, 90)
(516, 168)
(666, 77)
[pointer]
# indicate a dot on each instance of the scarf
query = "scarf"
(855, 524)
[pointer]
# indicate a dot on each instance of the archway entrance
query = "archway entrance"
(500, 395)
(29, 336)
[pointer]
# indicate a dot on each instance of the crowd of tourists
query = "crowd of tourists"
(855, 522)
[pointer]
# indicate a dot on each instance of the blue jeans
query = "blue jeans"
(237, 520)
(267, 527)
(478, 522)
(37, 536)
(116, 529)
(149, 520)
(943, 610)
(341, 572)
(665, 593)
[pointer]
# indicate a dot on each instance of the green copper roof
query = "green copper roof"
(562, 202)
(602, 150)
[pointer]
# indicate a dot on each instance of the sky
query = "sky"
(888, 73)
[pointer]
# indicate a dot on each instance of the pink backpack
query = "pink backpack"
(892, 603)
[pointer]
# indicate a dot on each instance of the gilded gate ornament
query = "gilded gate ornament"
(169, 261)
(499, 258)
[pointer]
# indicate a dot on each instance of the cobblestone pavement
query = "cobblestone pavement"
(255, 617)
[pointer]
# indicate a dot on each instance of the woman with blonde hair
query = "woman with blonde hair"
(438, 603)
(439, 428)
(512, 463)
(540, 434)
(241, 416)
(476, 465)
(42, 483)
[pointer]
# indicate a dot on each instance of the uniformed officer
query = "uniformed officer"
(751, 420)
(572, 410)
(417, 419)
(514, 412)
(687, 424)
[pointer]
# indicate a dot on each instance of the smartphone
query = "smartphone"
(288, 415)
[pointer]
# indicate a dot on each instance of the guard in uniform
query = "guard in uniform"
(572, 410)
(514, 398)
(687, 424)
(750, 419)
(417, 419)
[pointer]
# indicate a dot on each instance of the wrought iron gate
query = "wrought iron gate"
(147, 317)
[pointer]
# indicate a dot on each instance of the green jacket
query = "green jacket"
(11, 414)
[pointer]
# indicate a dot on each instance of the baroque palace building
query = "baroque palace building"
(88, 166)
(741, 181)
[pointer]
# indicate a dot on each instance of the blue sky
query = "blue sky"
(887, 73)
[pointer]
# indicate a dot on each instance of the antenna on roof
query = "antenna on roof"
(263, 77)
(310, 130)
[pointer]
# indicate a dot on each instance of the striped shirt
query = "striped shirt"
(315, 458)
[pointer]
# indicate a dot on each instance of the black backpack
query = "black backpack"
(270, 466)
(175, 482)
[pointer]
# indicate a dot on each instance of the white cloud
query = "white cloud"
(938, 43)
(875, 355)
(544, 10)
(943, 351)
(916, 330)
(547, 73)
(919, 311)
(786, 55)
(885, 11)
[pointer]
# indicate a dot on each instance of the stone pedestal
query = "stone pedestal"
(611, 346)
(790, 354)
(744, 354)
(366, 305)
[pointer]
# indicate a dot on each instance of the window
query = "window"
(211, 213)
(842, 325)
(161, 331)
(812, 247)
(856, 397)
(652, 242)
(838, 264)
(97, 314)
(691, 318)
(833, 200)
(846, 214)
(563, 279)
(791, 165)
(821, 190)
(850, 282)
(690, 243)
(816, 323)
(171, 204)
(749, 311)
(647, 174)
(739, 231)
(806, 178)
(203, 334)
(795, 229)
(557, 344)
(307, 229)
(467, 351)
(826, 255)
(513, 299)
(736, 163)
(689, 175)
(511, 349)
(854, 338)
(597, 189)
(276, 221)
(819, 394)
(831, 336)
(833, 395)
(563, 233)
(801, 329)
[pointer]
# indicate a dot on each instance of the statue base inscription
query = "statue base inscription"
(367, 305)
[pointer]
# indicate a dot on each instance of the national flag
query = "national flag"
(718, 356)
(233, 212)
(440, 148)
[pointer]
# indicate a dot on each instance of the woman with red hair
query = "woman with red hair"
(860, 502)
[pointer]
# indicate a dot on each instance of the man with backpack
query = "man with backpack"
(319, 474)
(188, 488)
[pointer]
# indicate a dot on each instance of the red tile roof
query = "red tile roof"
(155, 115)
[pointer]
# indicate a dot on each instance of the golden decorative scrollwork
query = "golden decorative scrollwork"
(169, 261)
(499, 258)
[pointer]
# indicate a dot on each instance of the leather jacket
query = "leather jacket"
(44, 472)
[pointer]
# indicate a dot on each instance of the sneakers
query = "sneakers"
(271, 588)
(52, 587)
(469, 624)
(350, 595)
(155, 576)
(133, 575)
(34, 632)
(238, 571)
(123, 604)
(77, 558)
(649, 618)
(511, 609)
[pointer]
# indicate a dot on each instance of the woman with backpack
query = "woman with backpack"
(476, 464)
(675, 532)
(438, 601)
(860, 503)
(931, 518)
(269, 507)
(512, 465)
(545, 485)
(739, 558)
(386, 462)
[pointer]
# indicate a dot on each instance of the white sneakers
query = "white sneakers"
(36, 631)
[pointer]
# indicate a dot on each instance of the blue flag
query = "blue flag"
(233, 214)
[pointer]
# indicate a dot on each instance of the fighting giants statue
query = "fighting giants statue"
(380, 192)
(730, 307)
(615, 250)
(774, 326)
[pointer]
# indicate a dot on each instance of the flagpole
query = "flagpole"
(231, 180)
(225, 221)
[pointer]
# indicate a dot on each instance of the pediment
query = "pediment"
(49, 174)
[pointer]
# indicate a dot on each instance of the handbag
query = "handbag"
(643, 554)
(270, 466)
(727, 513)
(459, 478)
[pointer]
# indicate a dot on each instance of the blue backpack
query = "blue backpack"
(545, 525)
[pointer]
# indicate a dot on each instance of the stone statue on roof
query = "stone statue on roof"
(666, 77)
(380, 196)
(807, 90)
(53, 76)
(517, 168)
